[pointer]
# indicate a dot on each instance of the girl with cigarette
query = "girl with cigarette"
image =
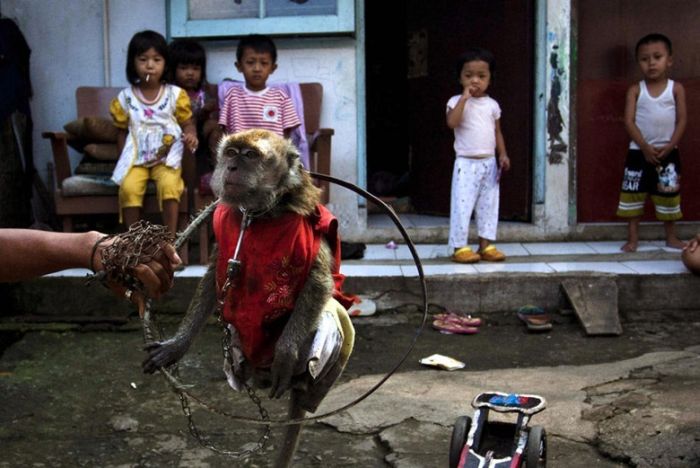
(155, 122)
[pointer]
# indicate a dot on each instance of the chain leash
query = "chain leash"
(180, 389)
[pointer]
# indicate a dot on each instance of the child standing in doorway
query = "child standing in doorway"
(480, 156)
(256, 105)
(655, 119)
(155, 122)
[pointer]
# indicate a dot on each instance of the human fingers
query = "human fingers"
(154, 277)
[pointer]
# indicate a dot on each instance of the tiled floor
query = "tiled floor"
(560, 257)
(379, 260)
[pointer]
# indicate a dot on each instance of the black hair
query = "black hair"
(259, 43)
(654, 37)
(187, 52)
(476, 53)
(140, 43)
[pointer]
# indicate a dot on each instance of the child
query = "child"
(188, 68)
(255, 105)
(475, 118)
(655, 119)
(155, 120)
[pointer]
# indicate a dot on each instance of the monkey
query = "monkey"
(285, 303)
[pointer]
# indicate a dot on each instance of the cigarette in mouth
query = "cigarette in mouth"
(148, 76)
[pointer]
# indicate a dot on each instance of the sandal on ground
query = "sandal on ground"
(465, 255)
(491, 254)
(535, 318)
(461, 319)
(452, 328)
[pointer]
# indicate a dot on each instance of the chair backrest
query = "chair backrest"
(94, 100)
(312, 94)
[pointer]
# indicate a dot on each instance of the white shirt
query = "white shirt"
(476, 133)
(655, 117)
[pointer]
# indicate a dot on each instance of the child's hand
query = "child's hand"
(504, 162)
(466, 91)
(692, 245)
(663, 152)
(650, 153)
(190, 140)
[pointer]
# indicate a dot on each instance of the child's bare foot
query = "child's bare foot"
(675, 243)
(630, 246)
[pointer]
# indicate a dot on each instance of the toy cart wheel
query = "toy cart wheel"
(460, 431)
(536, 448)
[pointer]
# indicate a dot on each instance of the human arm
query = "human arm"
(650, 153)
(28, 253)
(454, 115)
(121, 120)
(303, 323)
(681, 120)
(167, 352)
(185, 118)
(503, 159)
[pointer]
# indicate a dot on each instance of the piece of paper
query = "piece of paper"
(442, 362)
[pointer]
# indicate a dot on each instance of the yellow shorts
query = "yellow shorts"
(169, 185)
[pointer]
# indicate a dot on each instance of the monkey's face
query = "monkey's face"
(254, 168)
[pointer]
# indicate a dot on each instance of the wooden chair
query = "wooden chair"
(94, 101)
(319, 140)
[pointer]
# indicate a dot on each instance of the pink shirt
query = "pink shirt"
(270, 109)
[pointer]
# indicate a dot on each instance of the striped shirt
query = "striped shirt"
(269, 109)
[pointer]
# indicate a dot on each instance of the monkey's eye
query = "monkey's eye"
(231, 152)
(250, 153)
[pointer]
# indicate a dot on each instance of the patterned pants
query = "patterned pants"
(474, 190)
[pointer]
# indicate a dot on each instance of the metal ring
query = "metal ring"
(127, 294)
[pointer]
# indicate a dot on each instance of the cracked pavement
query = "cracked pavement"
(76, 396)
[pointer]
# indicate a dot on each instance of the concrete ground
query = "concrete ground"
(73, 395)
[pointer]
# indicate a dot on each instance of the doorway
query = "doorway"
(411, 50)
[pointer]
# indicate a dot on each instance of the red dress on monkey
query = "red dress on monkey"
(276, 257)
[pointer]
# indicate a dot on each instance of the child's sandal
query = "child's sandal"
(491, 254)
(465, 255)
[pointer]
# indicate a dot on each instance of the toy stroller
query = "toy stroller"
(484, 443)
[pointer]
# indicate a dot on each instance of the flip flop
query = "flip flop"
(535, 318)
(452, 328)
(461, 319)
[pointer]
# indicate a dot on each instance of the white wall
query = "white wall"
(68, 43)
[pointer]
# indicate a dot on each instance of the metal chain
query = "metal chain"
(180, 388)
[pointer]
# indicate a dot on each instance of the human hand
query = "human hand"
(155, 276)
(692, 244)
(504, 162)
(191, 141)
(650, 153)
(663, 152)
(164, 354)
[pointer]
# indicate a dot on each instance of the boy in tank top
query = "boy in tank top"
(655, 119)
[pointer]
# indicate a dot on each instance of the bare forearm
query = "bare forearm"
(26, 253)
(454, 116)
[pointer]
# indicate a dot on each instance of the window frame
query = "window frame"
(181, 26)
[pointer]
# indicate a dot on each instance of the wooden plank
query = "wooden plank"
(594, 301)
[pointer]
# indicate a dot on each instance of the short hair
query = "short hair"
(187, 52)
(259, 43)
(140, 43)
(654, 37)
(476, 53)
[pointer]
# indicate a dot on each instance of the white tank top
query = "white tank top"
(655, 117)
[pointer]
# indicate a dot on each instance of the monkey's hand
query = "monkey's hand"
(287, 355)
(164, 353)
(168, 352)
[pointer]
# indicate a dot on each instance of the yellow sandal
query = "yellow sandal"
(491, 254)
(465, 255)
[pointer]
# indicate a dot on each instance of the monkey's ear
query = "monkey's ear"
(294, 164)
